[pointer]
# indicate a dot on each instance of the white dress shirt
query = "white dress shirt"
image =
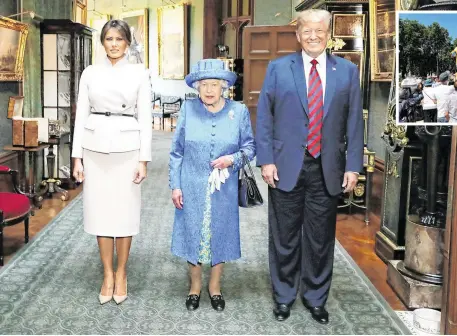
(120, 88)
(427, 102)
(441, 94)
(321, 67)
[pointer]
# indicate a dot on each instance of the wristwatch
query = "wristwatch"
(231, 158)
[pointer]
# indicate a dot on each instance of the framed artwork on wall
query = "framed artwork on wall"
(348, 25)
(138, 52)
(173, 41)
(80, 11)
(382, 39)
(15, 106)
(355, 57)
(98, 51)
(13, 35)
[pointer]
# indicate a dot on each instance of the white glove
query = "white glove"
(217, 177)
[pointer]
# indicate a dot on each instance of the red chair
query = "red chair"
(14, 208)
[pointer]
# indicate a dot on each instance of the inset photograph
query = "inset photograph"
(426, 67)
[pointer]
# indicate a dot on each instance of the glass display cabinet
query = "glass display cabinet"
(66, 49)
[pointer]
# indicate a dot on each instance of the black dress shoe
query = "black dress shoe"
(217, 302)
(192, 301)
(319, 314)
(281, 311)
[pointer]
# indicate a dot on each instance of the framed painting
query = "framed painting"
(173, 41)
(355, 57)
(13, 35)
(382, 39)
(15, 106)
(80, 11)
(138, 52)
(98, 51)
(348, 25)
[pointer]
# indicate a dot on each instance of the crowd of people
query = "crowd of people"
(430, 99)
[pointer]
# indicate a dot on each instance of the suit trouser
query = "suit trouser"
(302, 226)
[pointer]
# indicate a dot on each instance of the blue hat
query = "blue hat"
(428, 82)
(210, 69)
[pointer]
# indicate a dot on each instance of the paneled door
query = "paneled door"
(261, 44)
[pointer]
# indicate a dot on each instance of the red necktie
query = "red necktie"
(316, 111)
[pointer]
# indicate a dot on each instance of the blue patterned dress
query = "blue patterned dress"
(207, 228)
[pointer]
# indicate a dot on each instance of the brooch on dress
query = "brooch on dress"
(231, 114)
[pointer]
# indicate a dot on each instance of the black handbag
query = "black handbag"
(248, 192)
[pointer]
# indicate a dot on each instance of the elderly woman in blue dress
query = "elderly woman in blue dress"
(205, 157)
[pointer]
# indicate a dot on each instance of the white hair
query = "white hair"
(314, 15)
(224, 84)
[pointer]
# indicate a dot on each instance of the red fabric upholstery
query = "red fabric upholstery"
(13, 205)
(4, 169)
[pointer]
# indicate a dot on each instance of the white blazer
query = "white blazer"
(122, 88)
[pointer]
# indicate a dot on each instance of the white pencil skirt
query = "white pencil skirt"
(112, 202)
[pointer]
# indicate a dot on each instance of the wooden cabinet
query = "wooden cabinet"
(66, 49)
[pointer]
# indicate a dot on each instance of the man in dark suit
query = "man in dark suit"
(310, 147)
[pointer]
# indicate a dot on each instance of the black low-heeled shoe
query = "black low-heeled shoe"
(217, 302)
(193, 302)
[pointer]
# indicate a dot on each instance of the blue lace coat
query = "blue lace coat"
(201, 137)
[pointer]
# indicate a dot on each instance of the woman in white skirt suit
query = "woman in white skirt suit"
(111, 148)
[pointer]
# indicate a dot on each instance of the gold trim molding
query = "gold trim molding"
(18, 73)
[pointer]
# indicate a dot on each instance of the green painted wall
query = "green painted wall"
(272, 12)
(56, 9)
(7, 89)
(48, 9)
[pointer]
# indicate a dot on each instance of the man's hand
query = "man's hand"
(78, 170)
(140, 173)
(176, 196)
(349, 181)
(270, 174)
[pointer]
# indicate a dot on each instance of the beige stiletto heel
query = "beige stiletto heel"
(121, 298)
(105, 298)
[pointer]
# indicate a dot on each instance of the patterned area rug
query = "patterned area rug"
(51, 285)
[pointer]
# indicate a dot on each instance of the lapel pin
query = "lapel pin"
(231, 114)
(333, 68)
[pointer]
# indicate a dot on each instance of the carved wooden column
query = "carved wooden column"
(449, 304)
(211, 30)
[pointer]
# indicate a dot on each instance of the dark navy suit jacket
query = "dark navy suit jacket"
(282, 121)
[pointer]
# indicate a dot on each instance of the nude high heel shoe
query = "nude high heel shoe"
(121, 298)
(105, 298)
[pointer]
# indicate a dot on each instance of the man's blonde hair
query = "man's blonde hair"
(314, 15)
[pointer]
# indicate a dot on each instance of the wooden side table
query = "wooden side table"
(52, 183)
(29, 189)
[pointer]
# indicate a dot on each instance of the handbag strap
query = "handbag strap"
(246, 163)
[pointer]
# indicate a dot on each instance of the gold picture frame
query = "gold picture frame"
(80, 11)
(15, 106)
(348, 25)
(97, 23)
(356, 57)
(173, 41)
(382, 39)
(13, 36)
(138, 21)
